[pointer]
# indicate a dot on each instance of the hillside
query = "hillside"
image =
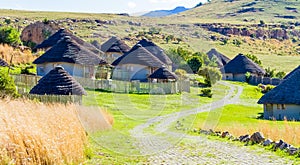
(276, 42)
(162, 13)
(243, 11)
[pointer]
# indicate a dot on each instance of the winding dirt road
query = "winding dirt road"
(166, 147)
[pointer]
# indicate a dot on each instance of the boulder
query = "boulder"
(267, 142)
(245, 138)
(38, 32)
(225, 134)
(292, 150)
(278, 144)
(257, 137)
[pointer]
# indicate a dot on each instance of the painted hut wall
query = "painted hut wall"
(72, 69)
(131, 72)
(291, 111)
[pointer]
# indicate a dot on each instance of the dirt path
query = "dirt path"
(165, 147)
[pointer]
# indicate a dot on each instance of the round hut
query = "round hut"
(58, 82)
(163, 75)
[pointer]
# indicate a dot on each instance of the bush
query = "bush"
(206, 92)
(9, 35)
(7, 85)
(211, 75)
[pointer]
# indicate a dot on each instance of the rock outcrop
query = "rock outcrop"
(38, 32)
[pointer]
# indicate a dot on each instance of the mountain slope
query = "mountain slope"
(236, 11)
(162, 13)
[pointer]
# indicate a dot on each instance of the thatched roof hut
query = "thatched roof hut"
(241, 65)
(56, 37)
(222, 60)
(3, 63)
(156, 51)
(68, 50)
(138, 55)
(163, 74)
(115, 45)
(288, 92)
(58, 82)
(292, 72)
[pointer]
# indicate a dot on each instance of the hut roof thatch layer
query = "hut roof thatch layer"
(292, 72)
(138, 55)
(67, 50)
(288, 92)
(221, 58)
(58, 82)
(163, 73)
(115, 45)
(241, 65)
(156, 51)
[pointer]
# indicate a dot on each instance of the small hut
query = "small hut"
(163, 75)
(284, 100)
(3, 63)
(220, 58)
(236, 69)
(60, 83)
(75, 58)
(114, 48)
(137, 64)
(60, 34)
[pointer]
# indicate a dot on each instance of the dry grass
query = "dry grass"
(19, 56)
(37, 133)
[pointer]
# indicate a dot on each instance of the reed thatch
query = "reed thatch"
(164, 74)
(139, 55)
(241, 65)
(292, 72)
(56, 37)
(222, 60)
(288, 92)
(156, 51)
(67, 50)
(115, 45)
(58, 82)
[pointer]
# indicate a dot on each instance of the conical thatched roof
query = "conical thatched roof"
(115, 45)
(292, 72)
(3, 63)
(221, 58)
(156, 51)
(67, 50)
(241, 65)
(163, 73)
(288, 92)
(138, 55)
(56, 37)
(58, 82)
(96, 44)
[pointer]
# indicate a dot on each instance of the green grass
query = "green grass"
(130, 110)
(243, 118)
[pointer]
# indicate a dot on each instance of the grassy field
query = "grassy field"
(130, 110)
(244, 118)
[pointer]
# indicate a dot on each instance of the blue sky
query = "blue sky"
(96, 6)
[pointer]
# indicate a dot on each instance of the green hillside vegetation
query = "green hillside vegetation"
(237, 11)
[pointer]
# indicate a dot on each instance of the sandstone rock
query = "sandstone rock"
(38, 32)
(292, 150)
(225, 134)
(278, 144)
(245, 138)
(257, 137)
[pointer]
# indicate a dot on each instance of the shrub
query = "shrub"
(7, 85)
(211, 75)
(206, 92)
(9, 35)
(254, 59)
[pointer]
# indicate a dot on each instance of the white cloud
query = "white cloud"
(131, 5)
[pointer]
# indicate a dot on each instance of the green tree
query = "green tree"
(270, 72)
(7, 85)
(9, 35)
(237, 42)
(280, 74)
(211, 75)
(254, 59)
(195, 63)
